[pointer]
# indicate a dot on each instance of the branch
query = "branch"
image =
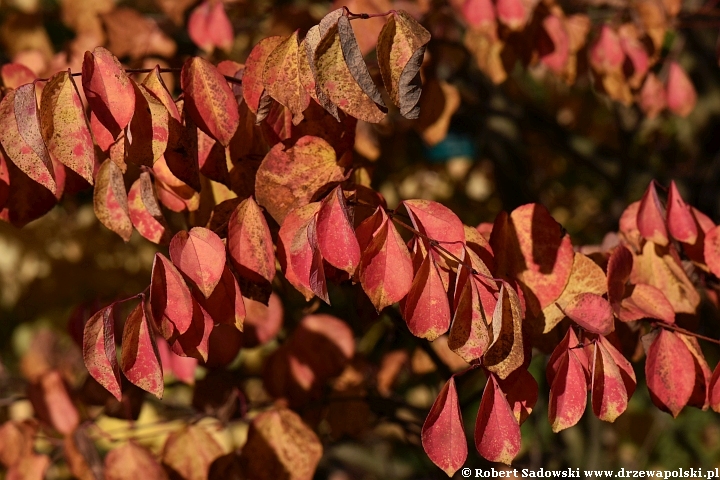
(148, 70)
(669, 326)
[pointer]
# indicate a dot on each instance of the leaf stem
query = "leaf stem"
(365, 16)
(675, 328)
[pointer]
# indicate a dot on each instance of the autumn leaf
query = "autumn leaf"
(497, 433)
(145, 212)
(281, 77)
(195, 341)
(385, 271)
(109, 91)
(651, 217)
(21, 137)
(521, 392)
(443, 435)
(50, 398)
(400, 51)
(280, 445)
(64, 127)
(130, 461)
(253, 84)
(437, 222)
(110, 200)
(347, 85)
(336, 238)
(469, 335)
(289, 177)
(225, 305)
(140, 360)
(170, 299)
(209, 27)
(506, 353)
(14, 75)
(294, 250)
(192, 438)
(592, 312)
(249, 242)
(99, 350)
(680, 221)
(425, 308)
(199, 254)
(608, 391)
(147, 135)
(666, 367)
(209, 100)
(568, 391)
(680, 92)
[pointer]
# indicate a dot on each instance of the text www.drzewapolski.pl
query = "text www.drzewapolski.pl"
(578, 473)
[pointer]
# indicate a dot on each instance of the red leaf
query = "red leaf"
(108, 89)
(555, 55)
(666, 370)
(652, 99)
(209, 27)
(21, 138)
(592, 312)
(253, 85)
(294, 251)
(497, 433)
(700, 395)
(183, 368)
(318, 283)
(569, 341)
(443, 435)
(426, 309)
(521, 392)
(714, 389)
(199, 254)
(194, 342)
(619, 268)
(606, 54)
(225, 305)
(140, 360)
(680, 220)
(681, 96)
(568, 392)
(170, 299)
(626, 370)
(249, 242)
(385, 269)
(336, 238)
(16, 74)
(479, 14)
(712, 250)
(51, 401)
(609, 394)
(145, 212)
(209, 100)
(506, 353)
(645, 301)
(437, 222)
(110, 200)
(469, 335)
(651, 217)
(514, 13)
(64, 126)
(99, 350)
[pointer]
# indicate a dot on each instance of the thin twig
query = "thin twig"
(675, 328)
(148, 70)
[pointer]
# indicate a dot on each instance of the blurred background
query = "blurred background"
(478, 147)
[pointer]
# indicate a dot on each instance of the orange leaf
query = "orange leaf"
(281, 77)
(130, 461)
(64, 126)
(253, 85)
(189, 452)
(443, 435)
(250, 243)
(209, 100)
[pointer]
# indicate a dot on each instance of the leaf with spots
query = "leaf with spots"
(295, 253)
(253, 84)
(338, 80)
(281, 77)
(289, 177)
(666, 370)
(506, 353)
(385, 271)
(497, 433)
(110, 200)
(592, 312)
(21, 137)
(64, 127)
(199, 254)
(336, 238)
(170, 299)
(99, 351)
(140, 360)
(443, 435)
(108, 89)
(209, 101)
(145, 213)
(249, 242)
(400, 51)
(155, 84)
(425, 308)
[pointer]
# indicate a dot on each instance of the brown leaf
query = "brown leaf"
(280, 445)
(506, 353)
(190, 451)
(400, 51)
(147, 135)
(52, 403)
